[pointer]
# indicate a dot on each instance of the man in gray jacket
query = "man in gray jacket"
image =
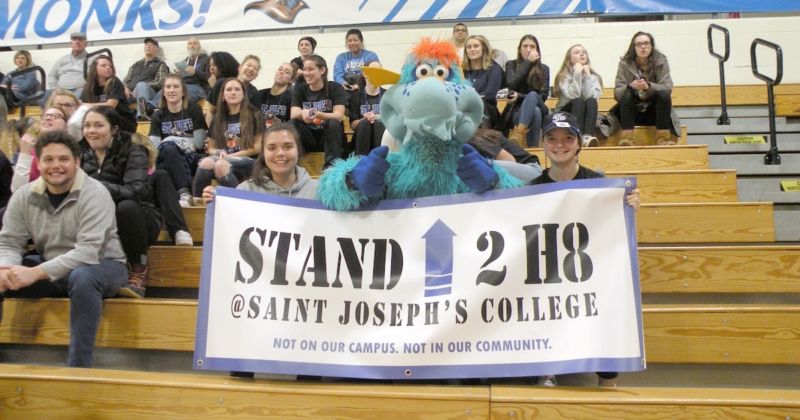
(67, 71)
(70, 219)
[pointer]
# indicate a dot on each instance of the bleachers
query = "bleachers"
(717, 289)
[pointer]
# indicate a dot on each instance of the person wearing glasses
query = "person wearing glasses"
(54, 118)
(643, 90)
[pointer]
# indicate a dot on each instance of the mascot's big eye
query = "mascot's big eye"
(423, 71)
(441, 72)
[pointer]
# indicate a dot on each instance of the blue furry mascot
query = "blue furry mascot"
(432, 111)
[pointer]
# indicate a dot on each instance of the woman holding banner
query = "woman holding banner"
(276, 170)
(561, 141)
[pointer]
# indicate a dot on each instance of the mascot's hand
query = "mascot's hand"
(369, 174)
(476, 171)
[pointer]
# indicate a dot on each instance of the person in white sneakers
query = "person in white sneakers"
(578, 87)
(178, 131)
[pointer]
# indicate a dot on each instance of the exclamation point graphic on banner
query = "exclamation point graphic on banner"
(438, 259)
(205, 5)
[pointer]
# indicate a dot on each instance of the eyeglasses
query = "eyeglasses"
(642, 44)
(53, 116)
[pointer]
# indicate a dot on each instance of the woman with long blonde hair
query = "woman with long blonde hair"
(484, 74)
(577, 87)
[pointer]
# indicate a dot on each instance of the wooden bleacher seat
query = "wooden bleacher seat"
(684, 186)
(637, 158)
(720, 269)
(787, 97)
(663, 269)
(50, 392)
(705, 223)
(518, 402)
(731, 333)
(54, 392)
(30, 111)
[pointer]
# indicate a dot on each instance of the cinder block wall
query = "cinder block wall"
(682, 40)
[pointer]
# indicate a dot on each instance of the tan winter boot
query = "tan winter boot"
(664, 138)
(626, 138)
(519, 135)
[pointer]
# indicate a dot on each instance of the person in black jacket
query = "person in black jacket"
(109, 156)
(529, 84)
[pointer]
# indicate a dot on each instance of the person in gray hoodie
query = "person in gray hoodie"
(70, 218)
(276, 170)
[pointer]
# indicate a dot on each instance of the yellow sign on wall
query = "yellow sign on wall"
(745, 140)
(790, 186)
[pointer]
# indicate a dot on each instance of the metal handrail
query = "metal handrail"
(772, 157)
(92, 54)
(29, 99)
(723, 118)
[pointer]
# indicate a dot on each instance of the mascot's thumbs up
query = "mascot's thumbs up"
(476, 172)
(369, 174)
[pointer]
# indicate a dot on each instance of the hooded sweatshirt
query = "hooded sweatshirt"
(304, 187)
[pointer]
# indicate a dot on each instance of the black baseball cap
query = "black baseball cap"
(151, 40)
(561, 120)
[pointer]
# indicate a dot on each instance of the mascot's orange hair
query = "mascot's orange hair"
(443, 51)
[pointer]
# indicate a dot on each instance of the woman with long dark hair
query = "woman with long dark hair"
(109, 155)
(234, 139)
(643, 90)
(103, 87)
(529, 84)
(276, 171)
(246, 73)
(317, 110)
(347, 68)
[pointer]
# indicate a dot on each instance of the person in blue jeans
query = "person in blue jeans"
(529, 85)
(82, 259)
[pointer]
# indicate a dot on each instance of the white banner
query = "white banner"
(31, 22)
(531, 281)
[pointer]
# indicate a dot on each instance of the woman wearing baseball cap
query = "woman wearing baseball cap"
(561, 139)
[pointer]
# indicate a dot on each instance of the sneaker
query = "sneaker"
(625, 142)
(185, 200)
(137, 280)
(183, 238)
(548, 381)
(590, 141)
(664, 141)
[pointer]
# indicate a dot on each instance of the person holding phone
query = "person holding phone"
(643, 90)
(347, 68)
